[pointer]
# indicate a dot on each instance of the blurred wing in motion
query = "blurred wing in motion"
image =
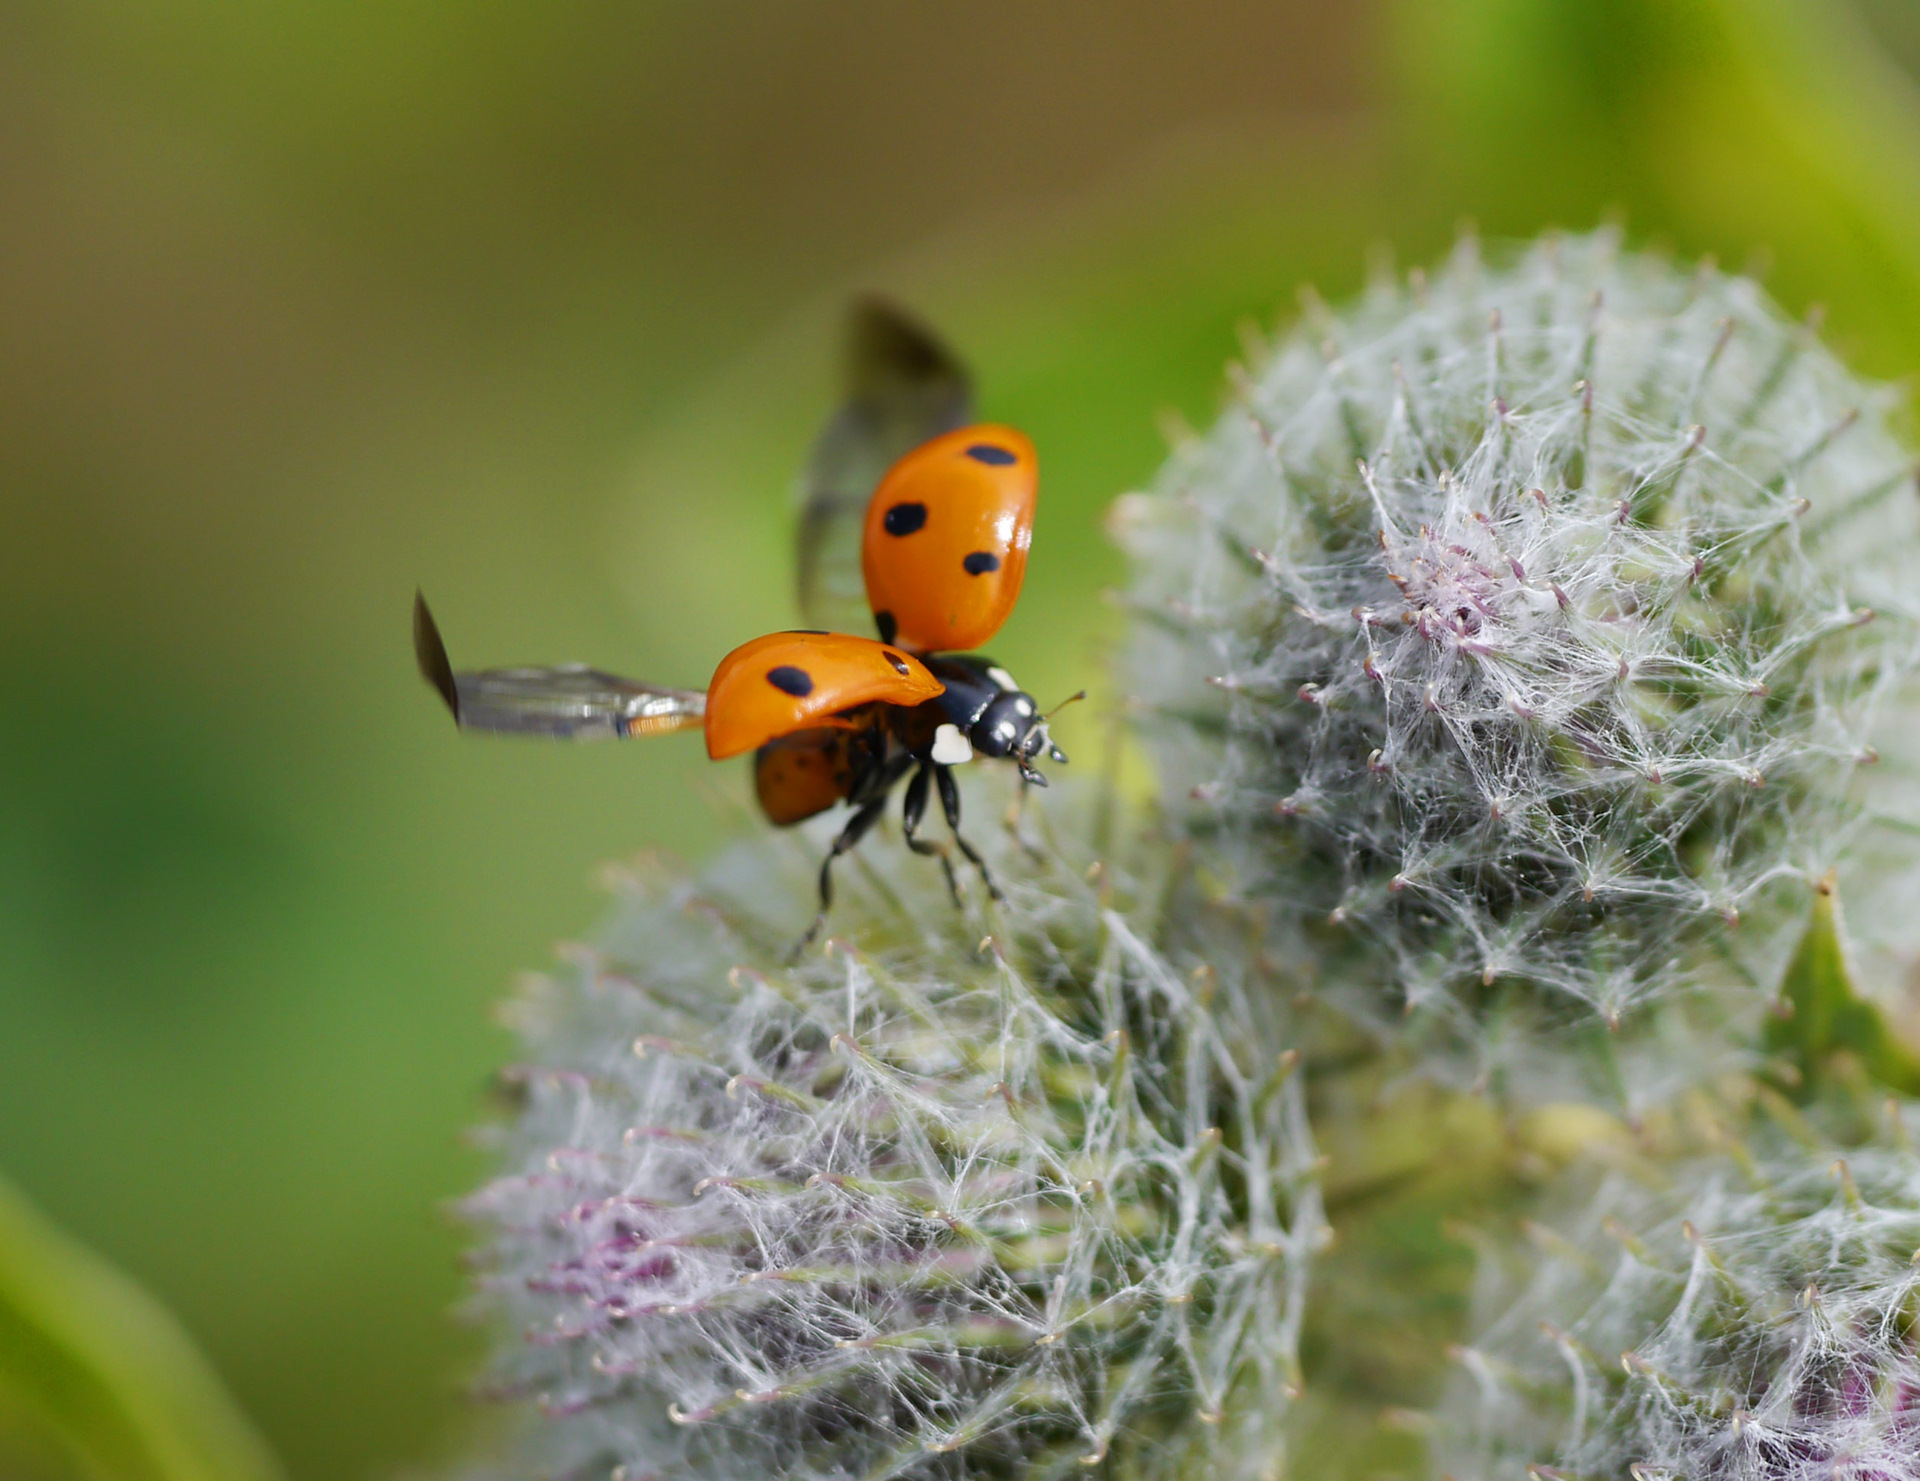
(571, 702)
(903, 386)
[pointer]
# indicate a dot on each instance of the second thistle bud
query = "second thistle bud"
(1747, 1315)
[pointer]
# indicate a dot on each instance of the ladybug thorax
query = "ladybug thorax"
(982, 711)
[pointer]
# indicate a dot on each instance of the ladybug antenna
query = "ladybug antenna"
(1071, 699)
(1053, 751)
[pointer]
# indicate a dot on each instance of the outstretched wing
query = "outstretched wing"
(903, 386)
(571, 702)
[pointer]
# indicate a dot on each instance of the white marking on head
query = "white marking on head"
(1001, 677)
(950, 747)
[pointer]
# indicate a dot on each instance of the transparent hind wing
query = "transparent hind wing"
(570, 702)
(903, 386)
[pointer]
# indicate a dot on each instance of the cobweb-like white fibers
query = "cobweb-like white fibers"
(1530, 625)
(1749, 1322)
(927, 1207)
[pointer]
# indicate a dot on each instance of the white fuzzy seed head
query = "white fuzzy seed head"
(920, 1205)
(1529, 624)
(1753, 1322)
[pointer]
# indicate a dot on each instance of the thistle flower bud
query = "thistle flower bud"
(1745, 1314)
(919, 1204)
(1529, 624)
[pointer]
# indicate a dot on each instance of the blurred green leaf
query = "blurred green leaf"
(1776, 133)
(1822, 1013)
(108, 1369)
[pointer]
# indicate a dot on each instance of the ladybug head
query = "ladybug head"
(1012, 726)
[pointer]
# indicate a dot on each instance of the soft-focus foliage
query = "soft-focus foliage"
(107, 1370)
(924, 1204)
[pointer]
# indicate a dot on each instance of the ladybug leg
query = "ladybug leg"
(856, 829)
(912, 811)
(1016, 811)
(950, 804)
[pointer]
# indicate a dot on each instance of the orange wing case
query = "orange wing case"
(945, 544)
(791, 681)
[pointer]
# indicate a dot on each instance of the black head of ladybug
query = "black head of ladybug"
(1012, 725)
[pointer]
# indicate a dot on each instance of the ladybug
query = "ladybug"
(943, 513)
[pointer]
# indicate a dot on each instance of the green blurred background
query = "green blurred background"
(535, 306)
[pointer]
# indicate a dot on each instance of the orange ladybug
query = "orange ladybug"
(944, 516)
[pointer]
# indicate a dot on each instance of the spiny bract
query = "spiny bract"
(1530, 623)
(1741, 1315)
(920, 1205)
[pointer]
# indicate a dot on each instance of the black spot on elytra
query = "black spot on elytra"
(790, 680)
(899, 663)
(993, 457)
(888, 627)
(904, 519)
(981, 562)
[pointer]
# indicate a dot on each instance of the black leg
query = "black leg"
(1016, 811)
(950, 804)
(856, 829)
(911, 812)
